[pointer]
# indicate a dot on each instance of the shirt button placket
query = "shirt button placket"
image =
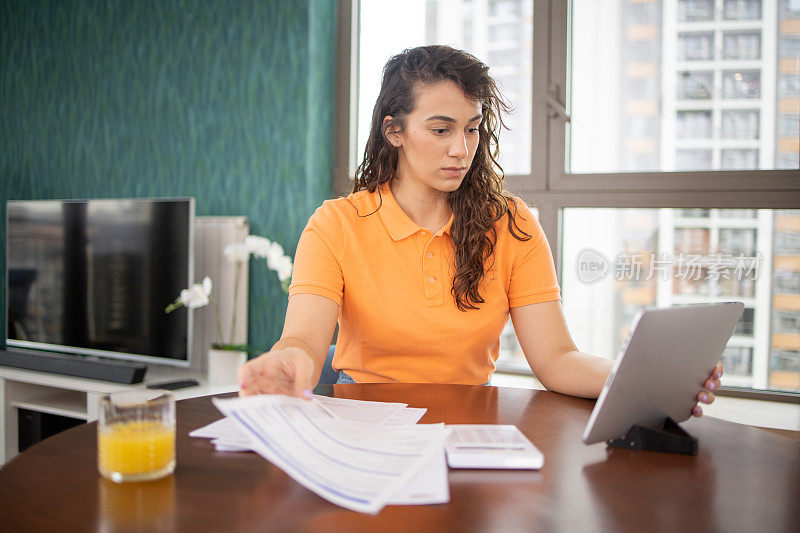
(432, 275)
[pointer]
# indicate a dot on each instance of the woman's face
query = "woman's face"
(437, 146)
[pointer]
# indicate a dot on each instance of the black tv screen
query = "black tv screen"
(94, 276)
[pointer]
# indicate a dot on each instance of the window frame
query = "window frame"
(549, 186)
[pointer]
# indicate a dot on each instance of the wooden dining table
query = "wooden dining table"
(741, 479)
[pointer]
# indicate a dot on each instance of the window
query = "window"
(695, 10)
(642, 116)
(695, 85)
(744, 327)
(789, 8)
(789, 126)
(663, 257)
(737, 241)
(741, 45)
(787, 283)
(504, 8)
(787, 146)
(741, 84)
(741, 9)
(788, 159)
(694, 124)
(740, 124)
(693, 213)
(696, 46)
(787, 243)
(739, 159)
(738, 361)
(500, 32)
(786, 364)
(789, 85)
(789, 45)
(700, 74)
(693, 159)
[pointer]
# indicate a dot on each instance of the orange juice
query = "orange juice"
(136, 450)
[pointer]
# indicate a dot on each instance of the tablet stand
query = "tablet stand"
(669, 437)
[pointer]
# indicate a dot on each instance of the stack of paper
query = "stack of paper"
(360, 455)
(227, 437)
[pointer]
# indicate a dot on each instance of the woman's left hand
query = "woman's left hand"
(706, 396)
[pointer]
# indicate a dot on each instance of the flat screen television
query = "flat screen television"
(92, 277)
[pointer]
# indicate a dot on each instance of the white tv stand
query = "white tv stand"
(75, 397)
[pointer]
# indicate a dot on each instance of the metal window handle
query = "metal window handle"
(556, 106)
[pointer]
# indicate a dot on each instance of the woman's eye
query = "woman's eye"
(439, 131)
(472, 131)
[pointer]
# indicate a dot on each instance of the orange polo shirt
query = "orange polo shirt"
(398, 321)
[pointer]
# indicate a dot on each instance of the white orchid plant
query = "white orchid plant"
(199, 294)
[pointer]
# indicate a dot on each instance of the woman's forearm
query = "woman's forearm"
(295, 342)
(576, 373)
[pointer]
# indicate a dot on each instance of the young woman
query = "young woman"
(425, 261)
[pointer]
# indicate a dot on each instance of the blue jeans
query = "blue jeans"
(344, 378)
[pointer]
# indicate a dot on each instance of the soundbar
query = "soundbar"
(75, 365)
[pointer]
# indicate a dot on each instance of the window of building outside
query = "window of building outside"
(695, 10)
(688, 85)
(713, 76)
(499, 32)
(664, 257)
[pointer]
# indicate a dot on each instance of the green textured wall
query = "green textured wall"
(227, 101)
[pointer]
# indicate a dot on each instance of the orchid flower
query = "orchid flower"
(199, 294)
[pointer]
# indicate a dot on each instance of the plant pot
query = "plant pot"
(223, 364)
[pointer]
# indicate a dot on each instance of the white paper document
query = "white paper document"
(407, 417)
(359, 465)
(216, 429)
(225, 435)
(360, 454)
(363, 411)
(429, 486)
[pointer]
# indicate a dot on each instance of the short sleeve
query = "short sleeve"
(317, 262)
(533, 274)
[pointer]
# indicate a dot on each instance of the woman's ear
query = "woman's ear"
(391, 130)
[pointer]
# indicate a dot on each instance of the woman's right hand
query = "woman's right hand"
(288, 370)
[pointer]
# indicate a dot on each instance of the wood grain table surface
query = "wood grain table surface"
(742, 479)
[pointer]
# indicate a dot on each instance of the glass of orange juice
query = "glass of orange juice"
(136, 435)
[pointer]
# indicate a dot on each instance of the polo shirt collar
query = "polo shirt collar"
(446, 228)
(397, 222)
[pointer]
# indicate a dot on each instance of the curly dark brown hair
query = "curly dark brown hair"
(480, 201)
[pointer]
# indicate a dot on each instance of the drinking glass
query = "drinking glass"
(136, 435)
